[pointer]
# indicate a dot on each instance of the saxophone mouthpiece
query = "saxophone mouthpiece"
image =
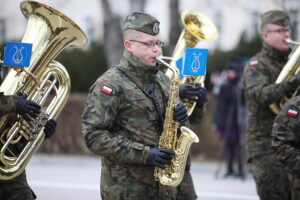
(161, 57)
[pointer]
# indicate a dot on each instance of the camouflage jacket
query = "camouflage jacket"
(197, 114)
(121, 123)
(286, 135)
(7, 104)
(259, 79)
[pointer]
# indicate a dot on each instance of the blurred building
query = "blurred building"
(233, 18)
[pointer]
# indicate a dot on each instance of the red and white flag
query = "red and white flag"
(106, 89)
(292, 113)
(253, 63)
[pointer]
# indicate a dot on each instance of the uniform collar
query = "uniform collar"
(136, 68)
(273, 53)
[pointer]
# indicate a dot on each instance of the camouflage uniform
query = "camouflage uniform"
(18, 187)
(286, 142)
(121, 127)
(261, 91)
(186, 190)
(197, 114)
(123, 118)
(259, 79)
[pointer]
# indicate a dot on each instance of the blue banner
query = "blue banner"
(194, 62)
(17, 54)
(179, 66)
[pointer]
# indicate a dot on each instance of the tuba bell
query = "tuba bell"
(45, 81)
(291, 68)
(197, 27)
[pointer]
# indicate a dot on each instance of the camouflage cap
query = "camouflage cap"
(275, 17)
(141, 22)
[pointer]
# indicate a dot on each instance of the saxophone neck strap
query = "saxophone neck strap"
(151, 95)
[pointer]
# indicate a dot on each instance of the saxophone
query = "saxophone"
(173, 174)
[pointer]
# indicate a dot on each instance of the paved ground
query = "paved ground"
(77, 178)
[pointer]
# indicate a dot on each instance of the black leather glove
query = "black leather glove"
(159, 157)
(191, 91)
(49, 128)
(27, 108)
(180, 113)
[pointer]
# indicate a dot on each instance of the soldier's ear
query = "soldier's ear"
(128, 46)
(264, 35)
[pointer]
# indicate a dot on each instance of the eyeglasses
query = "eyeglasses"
(150, 44)
(280, 31)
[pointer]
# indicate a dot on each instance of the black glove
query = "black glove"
(160, 157)
(292, 83)
(50, 128)
(191, 91)
(180, 113)
(27, 108)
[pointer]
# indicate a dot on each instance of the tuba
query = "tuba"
(291, 68)
(45, 81)
(173, 174)
(197, 27)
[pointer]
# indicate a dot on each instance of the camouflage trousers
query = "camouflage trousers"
(270, 177)
(294, 178)
(16, 189)
(186, 190)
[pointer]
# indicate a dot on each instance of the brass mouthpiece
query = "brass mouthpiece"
(292, 42)
(160, 59)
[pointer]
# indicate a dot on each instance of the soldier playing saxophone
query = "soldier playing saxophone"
(124, 115)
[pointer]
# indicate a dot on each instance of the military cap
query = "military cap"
(275, 17)
(141, 22)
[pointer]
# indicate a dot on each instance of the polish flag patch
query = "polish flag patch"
(106, 89)
(292, 113)
(253, 63)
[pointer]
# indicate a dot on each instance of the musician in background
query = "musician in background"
(286, 142)
(124, 116)
(259, 79)
(18, 188)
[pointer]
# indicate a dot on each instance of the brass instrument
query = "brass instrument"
(45, 81)
(173, 174)
(291, 68)
(197, 27)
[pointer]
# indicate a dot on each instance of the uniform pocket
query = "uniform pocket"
(137, 97)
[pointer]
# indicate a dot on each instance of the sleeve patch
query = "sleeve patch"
(292, 113)
(106, 90)
(253, 63)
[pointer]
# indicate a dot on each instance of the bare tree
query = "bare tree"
(137, 5)
(112, 36)
(175, 24)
